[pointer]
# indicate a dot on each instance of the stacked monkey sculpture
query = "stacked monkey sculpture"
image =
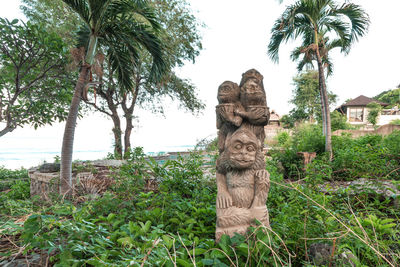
(242, 181)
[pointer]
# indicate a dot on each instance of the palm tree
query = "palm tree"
(313, 20)
(119, 28)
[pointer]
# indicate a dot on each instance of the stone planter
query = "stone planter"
(90, 178)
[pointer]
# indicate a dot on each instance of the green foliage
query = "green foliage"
(35, 86)
(287, 121)
(395, 122)
(9, 177)
(6, 174)
(283, 139)
(54, 15)
(339, 121)
(392, 97)
(305, 138)
(308, 138)
(371, 156)
(374, 110)
(174, 227)
(19, 190)
(306, 97)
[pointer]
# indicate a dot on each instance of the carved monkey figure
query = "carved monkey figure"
(241, 170)
(227, 121)
(242, 181)
(255, 112)
(243, 184)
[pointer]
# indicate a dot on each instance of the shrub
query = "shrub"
(374, 109)
(309, 138)
(6, 174)
(395, 122)
(339, 121)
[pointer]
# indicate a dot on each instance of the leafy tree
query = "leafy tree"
(306, 97)
(313, 21)
(182, 42)
(120, 29)
(35, 87)
(392, 97)
(55, 16)
(374, 109)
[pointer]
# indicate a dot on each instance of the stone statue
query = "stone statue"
(242, 181)
(227, 121)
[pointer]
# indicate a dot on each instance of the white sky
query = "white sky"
(235, 40)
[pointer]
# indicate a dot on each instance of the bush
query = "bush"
(309, 138)
(339, 121)
(6, 174)
(370, 156)
(395, 122)
(174, 227)
(305, 138)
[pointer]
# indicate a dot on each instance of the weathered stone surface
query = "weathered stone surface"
(385, 188)
(43, 184)
(49, 167)
(320, 253)
(89, 178)
(242, 181)
(382, 130)
(307, 158)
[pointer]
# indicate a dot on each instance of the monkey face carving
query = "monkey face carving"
(242, 149)
(252, 90)
(228, 92)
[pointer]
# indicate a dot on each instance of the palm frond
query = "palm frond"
(81, 8)
(83, 35)
(121, 64)
(359, 19)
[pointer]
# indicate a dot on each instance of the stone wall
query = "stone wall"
(271, 131)
(90, 177)
(383, 130)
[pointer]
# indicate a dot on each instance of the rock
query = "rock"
(348, 258)
(30, 260)
(108, 163)
(386, 188)
(49, 167)
(320, 253)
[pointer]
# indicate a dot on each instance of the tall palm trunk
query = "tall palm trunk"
(326, 118)
(69, 132)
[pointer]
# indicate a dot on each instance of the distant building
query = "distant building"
(274, 118)
(356, 111)
(273, 127)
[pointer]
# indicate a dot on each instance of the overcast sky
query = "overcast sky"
(235, 40)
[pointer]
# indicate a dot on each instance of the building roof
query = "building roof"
(363, 101)
(273, 116)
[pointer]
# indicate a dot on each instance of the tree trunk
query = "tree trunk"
(117, 135)
(6, 130)
(128, 113)
(69, 132)
(128, 131)
(326, 118)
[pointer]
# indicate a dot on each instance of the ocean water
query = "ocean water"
(17, 158)
(27, 147)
